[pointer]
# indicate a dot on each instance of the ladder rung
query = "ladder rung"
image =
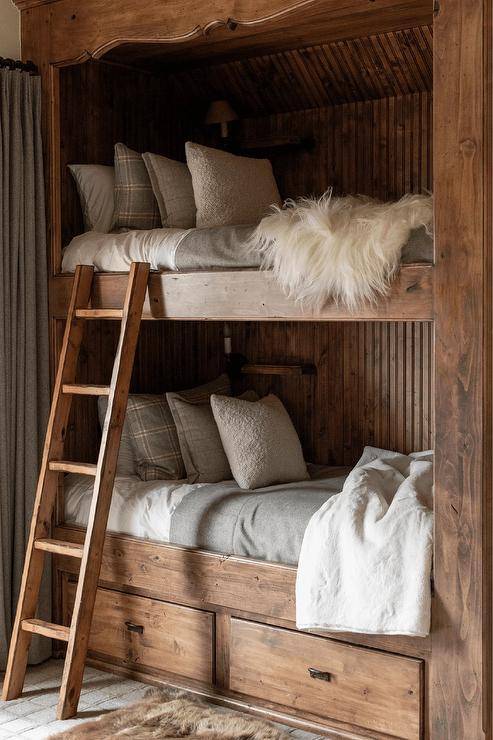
(64, 466)
(86, 390)
(99, 313)
(72, 549)
(48, 629)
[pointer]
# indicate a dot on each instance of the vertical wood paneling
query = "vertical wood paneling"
(102, 104)
(380, 148)
(373, 381)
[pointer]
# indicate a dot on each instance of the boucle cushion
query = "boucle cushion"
(229, 189)
(154, 438)
(126, 464)
(260, 441)
(96, 188)
(200, 443)
(135, 204)
(172, 185)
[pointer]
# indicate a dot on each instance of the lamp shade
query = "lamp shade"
(220, 111)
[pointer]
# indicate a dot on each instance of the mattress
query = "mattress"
(266, 524)
(221, 247)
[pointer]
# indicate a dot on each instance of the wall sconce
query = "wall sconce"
(220, 111)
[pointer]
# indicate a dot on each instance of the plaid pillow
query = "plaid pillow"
(135, 204)
(126, 456)
(154, 438)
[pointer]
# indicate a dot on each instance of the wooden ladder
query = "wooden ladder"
(39, 543)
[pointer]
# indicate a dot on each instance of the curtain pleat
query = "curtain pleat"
(24, 361)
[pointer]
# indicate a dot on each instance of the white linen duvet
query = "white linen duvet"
(139, 508)
(365, 561)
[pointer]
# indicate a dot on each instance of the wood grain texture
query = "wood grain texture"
(46, 629)
(150, 633)
(239, 702)
(381, 148)
(373, 382)
(247, 295)
(103, 488)
(243, 587)
(241, 26)
(460, 687)
(372, 67)
(376, 691)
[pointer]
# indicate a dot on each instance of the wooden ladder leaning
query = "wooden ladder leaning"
(39, 543)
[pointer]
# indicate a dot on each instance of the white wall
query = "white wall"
(10, 41)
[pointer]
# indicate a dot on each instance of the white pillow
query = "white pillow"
(172, 185)
(229, 189)
(126, 464)
(96, 188)
(259, 440)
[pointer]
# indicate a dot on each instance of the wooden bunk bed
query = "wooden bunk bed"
(386, 88)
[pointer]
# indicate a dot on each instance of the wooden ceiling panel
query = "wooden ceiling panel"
(369, 68)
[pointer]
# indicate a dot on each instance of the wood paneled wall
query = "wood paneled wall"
(101, 104)
(381, 148)
(367, 103)
(373, 381)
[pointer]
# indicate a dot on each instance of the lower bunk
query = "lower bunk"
(224, 627)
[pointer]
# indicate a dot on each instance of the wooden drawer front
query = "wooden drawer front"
(150, 633)
(377, 691)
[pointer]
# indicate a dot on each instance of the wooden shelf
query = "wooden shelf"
(247, 295)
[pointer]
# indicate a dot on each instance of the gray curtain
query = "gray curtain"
(24, 364)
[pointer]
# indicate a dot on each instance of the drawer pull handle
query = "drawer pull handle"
(320, 675)
(134, 628)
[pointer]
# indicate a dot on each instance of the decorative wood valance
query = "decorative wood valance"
(74, 31)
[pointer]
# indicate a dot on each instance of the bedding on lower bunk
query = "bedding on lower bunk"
(220, 247)
(362, 539)
(266, 524)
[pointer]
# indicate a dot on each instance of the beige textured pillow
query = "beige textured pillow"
(259, 440)
(172, 185)
(200, 444)
(230, 189)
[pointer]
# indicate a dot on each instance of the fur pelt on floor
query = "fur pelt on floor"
(341, 249)
(171, 713)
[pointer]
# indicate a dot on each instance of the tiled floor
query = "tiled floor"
(32, 717)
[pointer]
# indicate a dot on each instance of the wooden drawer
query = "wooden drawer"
(149, 633)
(377, 691)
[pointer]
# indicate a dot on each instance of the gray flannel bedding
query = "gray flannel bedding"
(266, 524)
(221, 247)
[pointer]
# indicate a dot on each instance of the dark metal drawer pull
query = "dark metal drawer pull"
(134, 628)
(320, 675)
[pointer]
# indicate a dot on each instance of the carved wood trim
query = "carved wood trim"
(199, 30)
(25, 4)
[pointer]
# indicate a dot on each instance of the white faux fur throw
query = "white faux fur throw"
(342, 249)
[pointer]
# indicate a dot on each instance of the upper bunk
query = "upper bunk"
(334, 94)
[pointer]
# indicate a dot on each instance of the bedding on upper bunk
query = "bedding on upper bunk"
(165, 249)
(266, 524)
(343, 249)
(220, 247)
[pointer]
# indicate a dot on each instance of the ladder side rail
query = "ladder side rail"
(47, 485)
(103, 488)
